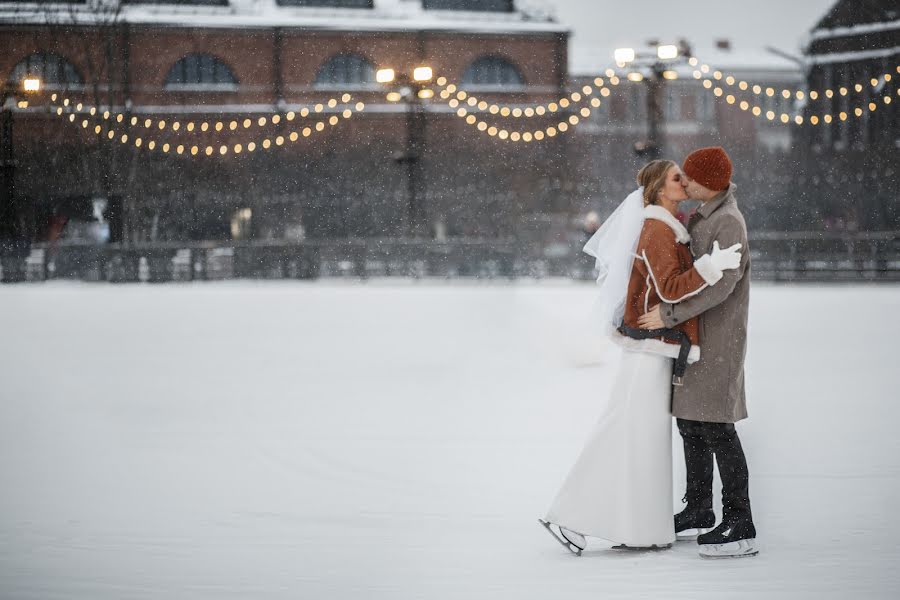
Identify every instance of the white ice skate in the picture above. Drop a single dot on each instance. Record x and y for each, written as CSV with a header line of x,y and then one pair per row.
x,y
571,541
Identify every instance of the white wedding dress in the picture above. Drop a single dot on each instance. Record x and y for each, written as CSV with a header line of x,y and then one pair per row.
x,y
620,488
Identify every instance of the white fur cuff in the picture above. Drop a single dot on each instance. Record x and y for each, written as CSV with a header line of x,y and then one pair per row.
x,y
707,269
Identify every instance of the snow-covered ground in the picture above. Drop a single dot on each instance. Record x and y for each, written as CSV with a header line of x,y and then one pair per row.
x,y
396,440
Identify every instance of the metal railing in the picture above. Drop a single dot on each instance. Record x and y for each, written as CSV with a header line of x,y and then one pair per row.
x,y
776,256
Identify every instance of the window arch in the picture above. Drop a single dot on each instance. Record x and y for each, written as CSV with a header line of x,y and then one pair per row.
x,y
345,69
200,70
53,69
492,71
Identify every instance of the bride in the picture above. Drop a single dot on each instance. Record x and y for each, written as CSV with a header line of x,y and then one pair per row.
x,y
620,488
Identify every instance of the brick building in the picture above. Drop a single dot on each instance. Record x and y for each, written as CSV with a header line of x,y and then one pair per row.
x,y
215,61
219,61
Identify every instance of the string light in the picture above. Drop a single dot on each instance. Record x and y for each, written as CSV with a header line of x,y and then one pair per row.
x,y
224,149
529,135
454,97
785,118
701,71
162,124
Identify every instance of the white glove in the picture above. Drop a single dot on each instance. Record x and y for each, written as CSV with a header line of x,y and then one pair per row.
x,y
710,266
727,259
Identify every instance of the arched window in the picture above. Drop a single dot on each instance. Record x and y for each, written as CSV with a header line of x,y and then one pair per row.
x,y
345,69
53,70
492,71
200,70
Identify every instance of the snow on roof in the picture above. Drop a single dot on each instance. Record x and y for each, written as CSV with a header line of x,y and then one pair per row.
x,y
758,62
842,57
748,59
387,15
819,34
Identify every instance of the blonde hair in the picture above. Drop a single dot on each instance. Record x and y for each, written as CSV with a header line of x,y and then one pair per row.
x,y
652,177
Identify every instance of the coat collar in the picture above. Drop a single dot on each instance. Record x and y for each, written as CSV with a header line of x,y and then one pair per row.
x,y
652,211
708,208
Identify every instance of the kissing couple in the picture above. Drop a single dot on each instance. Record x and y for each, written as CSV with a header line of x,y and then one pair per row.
x,y
667,293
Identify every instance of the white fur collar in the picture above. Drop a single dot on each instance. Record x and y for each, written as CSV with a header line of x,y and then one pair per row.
x,y
652,211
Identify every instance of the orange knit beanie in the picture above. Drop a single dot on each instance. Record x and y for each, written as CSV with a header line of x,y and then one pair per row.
x,y
710,167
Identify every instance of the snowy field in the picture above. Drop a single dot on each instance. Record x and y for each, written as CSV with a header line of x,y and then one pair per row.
x,y
396,440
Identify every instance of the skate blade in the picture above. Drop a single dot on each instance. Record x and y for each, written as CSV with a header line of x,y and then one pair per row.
x,y
653,548
558,537
690,537
739,549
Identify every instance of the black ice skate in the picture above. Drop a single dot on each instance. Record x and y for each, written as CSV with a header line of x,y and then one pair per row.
x,y
571,541
733,538
692,522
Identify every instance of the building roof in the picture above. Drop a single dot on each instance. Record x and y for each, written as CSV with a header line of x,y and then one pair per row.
x,y
386,15
846,14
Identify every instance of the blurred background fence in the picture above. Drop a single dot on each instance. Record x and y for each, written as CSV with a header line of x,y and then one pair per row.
x,y
777,256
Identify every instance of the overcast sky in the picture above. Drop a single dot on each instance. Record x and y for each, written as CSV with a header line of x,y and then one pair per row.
x,y
599,26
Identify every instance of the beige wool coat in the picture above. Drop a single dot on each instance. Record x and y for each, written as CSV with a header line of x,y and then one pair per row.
x,y
713,389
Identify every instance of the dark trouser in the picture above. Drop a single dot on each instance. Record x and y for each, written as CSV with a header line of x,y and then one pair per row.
x,y
703,440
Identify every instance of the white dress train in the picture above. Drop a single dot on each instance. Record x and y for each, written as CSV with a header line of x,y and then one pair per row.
x,y
620,488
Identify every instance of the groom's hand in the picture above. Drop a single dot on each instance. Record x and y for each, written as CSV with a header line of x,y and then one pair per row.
x,y
651,320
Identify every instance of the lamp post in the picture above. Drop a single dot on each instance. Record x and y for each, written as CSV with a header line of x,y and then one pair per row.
x,y
411,90
654,69
9,230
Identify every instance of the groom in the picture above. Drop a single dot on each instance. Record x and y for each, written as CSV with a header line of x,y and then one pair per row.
x,y
712,398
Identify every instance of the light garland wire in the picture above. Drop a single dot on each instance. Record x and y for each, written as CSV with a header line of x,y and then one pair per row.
x,y
527,136
785,118
707,73
211,149
456,97
190,126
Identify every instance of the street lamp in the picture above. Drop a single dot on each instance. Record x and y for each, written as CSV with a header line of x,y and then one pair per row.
x,y
658,69
31,84
411,90
9,218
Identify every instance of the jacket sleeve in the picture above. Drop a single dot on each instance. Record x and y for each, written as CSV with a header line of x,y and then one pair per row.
x,y
730,232
671,282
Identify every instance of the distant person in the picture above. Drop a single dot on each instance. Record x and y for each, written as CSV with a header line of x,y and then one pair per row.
x,y
620,488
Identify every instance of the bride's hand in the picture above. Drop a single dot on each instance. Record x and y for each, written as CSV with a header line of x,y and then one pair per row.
x,y
651,320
